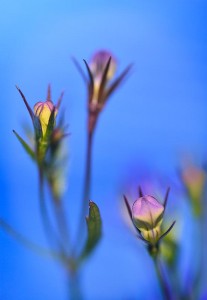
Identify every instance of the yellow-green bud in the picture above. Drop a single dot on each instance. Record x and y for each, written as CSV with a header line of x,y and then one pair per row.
x,y
43,111
147,215
97,67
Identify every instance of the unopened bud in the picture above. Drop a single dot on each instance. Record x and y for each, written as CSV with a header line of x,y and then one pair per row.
x,y
43,111
147,214
99,62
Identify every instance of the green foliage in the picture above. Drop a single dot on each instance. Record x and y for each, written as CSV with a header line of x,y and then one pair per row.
x,y
25,146
94,226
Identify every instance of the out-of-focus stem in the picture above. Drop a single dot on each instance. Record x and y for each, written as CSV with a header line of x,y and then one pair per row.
x,y
201,255
87,183
61,223
49,231
74,291
162,280
87,186
28,243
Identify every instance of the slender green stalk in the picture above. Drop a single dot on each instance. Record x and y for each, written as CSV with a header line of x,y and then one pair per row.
x,y
201,255
74,291
87,187
61,223
28,243
87,183
53,240
162,280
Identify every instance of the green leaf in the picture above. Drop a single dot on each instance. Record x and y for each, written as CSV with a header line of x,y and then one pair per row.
x,y
25,146
37,128
80,70
91,81
94,226
26,103
50,126
103,82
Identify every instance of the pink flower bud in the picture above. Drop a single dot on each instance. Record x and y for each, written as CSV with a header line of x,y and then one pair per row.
x,y
147,215
98,64
43,111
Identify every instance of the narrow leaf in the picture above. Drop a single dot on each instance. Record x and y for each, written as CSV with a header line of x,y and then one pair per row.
x,y
49,93
59,100
140,192
103,82
50,126
94,226
26,103
130,215
80,70
128,207
25,146
167,231
117,82
91,81
166,197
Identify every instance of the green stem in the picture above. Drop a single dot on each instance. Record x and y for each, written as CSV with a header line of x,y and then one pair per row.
x,y
74,291
53,240
87,184
162,280
87,187
28,243
61,223
196,285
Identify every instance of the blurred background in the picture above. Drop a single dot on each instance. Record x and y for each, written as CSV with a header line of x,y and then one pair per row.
x,y
150,124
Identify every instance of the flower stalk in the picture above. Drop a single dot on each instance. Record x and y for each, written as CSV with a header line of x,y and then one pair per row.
x,y
146,215
100,71
167,294
46,153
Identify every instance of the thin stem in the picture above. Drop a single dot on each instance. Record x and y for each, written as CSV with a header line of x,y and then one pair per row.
x,y
162,280
87,186
74,291
196,285
49,231
28,243
61,222
87,183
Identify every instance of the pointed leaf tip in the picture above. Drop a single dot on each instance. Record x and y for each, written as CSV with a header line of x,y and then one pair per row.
x,y
80,70
49,93
166,197
128,206
140,191
25,145
168,230
117,81
26,104
94,226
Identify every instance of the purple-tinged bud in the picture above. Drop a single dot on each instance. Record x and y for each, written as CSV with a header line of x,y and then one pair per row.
x,y
97,67
99,62
43,111
147,215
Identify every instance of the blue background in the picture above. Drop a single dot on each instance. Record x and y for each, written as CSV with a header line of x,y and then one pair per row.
x,y
157,116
